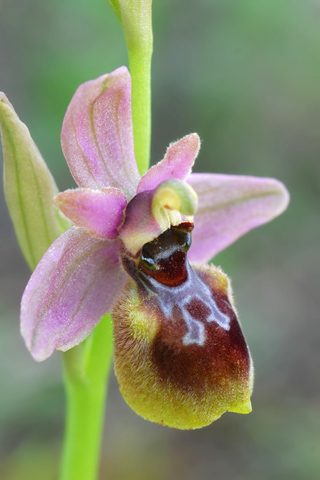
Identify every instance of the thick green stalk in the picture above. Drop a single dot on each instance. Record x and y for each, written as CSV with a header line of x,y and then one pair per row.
x,y
86,372
136,19
86,367
140,69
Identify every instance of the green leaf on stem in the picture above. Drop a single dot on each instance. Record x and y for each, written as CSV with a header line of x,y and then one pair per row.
x,y
29,188
115,5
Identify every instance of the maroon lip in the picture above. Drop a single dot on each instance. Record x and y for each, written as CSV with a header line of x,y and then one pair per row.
x,y
200,344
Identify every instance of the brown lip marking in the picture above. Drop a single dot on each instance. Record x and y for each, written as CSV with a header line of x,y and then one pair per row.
x,y
223,359
200,344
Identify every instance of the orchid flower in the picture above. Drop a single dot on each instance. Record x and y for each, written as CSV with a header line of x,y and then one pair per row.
x,y
180,355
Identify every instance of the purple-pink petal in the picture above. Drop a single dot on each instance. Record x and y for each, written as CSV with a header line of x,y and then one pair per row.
x,y
230,206
177,163
100,212
72,287
97,135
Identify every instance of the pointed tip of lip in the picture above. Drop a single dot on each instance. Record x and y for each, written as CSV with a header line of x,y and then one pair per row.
x,y
244,407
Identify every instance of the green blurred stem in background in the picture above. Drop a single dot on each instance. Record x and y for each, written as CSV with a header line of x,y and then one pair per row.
x,y
140,68
87,367
86,372
29,191
136,19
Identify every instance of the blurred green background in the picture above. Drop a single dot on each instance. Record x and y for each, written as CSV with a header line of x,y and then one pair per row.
x,y
245,75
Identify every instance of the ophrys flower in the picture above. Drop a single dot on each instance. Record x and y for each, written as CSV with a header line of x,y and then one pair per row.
x,y
180,355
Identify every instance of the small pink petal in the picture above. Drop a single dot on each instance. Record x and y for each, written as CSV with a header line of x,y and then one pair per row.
x,y
177,163
230,206
72,287
97,136
99,212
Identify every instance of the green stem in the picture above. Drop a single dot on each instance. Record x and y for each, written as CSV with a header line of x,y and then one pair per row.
x,y
136,19
140,69
86,367
86,370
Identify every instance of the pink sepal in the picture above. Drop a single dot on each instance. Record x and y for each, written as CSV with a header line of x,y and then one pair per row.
x,y
73,286
97,135
230,206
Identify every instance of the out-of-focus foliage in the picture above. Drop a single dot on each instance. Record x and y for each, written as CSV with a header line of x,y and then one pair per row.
x,y
246,76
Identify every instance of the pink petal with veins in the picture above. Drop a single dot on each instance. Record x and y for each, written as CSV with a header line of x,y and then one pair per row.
x,y
100,212
73,286
97,135
230,206
177,163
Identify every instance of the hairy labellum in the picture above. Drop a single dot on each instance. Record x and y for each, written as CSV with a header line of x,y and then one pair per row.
x,y
180,355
